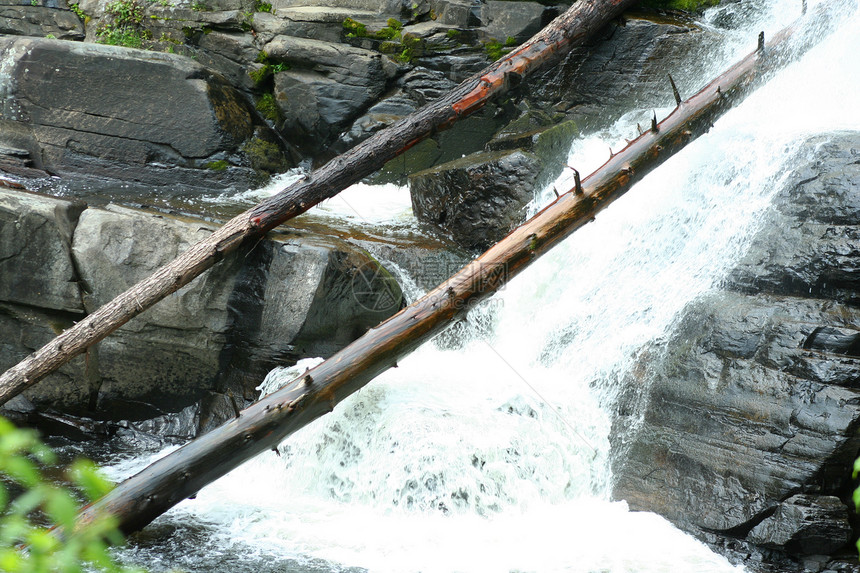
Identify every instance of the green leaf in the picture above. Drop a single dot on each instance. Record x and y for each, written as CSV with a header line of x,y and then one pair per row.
x,y
61,507
85,474
23,471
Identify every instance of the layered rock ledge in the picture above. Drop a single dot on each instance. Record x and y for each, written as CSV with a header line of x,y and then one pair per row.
x,y
743,425
293,295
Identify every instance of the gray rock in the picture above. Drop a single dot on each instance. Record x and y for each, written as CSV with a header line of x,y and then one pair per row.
x,y
382,7
727,430
623,68
550,144
379,116
181,337
754,398
105,111
24,19
229,53
36,232
323,23
477,199
25,329
518,20
810,243
328,87
288,297
460,13
423,85
805,524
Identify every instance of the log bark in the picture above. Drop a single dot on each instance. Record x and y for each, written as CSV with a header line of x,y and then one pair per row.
x,y
570,29
263,425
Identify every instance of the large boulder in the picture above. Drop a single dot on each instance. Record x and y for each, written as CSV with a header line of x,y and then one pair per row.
x,y
141,117
328,86
623,68
517,20
36,233
477,199
290,296
754,397
806,524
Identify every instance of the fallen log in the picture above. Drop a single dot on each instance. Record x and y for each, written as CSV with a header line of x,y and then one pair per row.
x,y
143,497
570,29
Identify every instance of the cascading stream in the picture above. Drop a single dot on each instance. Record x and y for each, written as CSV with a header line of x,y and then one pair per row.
x,y
492,454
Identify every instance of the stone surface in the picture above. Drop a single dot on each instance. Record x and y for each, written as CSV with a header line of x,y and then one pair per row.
x,y
805,524
477,199
291,296
47,18
624,68
517,20
745,420
36,232
23,330
106,111
328,87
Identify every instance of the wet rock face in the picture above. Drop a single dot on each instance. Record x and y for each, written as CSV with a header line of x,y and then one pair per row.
x,y
745,421
806,525
623,68
103,111
477,199
287,298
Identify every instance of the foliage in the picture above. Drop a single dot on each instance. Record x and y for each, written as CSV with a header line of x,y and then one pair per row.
x,y
392,31
268,108
79,13
219,165
198,6
26,544
354,29
260,6
267,70
265,156
495,49
856,495
124,28
413,47
125,12
683,5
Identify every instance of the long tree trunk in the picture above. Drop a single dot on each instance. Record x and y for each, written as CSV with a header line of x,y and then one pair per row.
x,y
263,425
570,29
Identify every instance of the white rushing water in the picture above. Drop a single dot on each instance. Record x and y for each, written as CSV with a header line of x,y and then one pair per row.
x,y
492,456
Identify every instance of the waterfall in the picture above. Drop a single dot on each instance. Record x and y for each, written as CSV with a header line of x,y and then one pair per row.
x,y
491,454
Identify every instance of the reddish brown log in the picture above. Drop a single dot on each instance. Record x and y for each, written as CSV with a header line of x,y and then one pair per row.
x,y
262,426
570,29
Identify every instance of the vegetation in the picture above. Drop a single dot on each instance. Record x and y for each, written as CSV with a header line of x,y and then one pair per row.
x,y
123,27
392,31
265,156
219,165
495,49
268,108
856,495
268,69
79,13
682,5
260,6
27,542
